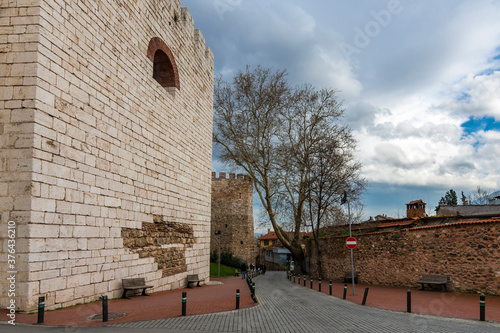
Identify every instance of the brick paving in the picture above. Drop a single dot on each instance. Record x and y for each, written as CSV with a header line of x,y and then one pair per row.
x,y
205,299
288,307
448,304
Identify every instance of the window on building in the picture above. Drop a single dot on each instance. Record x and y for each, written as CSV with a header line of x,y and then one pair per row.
x,y
266,242
163,71
164,67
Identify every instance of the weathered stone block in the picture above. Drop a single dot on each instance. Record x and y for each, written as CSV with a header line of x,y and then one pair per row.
x,y
48,285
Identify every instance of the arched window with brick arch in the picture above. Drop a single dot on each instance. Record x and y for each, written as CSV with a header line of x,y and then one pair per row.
x,y
164,67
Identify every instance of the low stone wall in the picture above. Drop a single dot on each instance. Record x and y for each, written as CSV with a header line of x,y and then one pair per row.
x,y
468,252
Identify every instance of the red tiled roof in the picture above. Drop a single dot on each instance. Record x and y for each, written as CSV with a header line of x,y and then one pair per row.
x,y
455,224
269,235
414,202
395,224
361,226
274,246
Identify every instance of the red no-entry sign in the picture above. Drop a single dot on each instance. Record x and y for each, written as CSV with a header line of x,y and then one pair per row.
x,y
351,242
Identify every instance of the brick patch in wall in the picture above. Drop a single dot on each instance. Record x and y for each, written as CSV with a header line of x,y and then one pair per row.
x,y
166,242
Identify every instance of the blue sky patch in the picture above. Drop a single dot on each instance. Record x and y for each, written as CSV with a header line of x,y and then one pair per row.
x,y
480,124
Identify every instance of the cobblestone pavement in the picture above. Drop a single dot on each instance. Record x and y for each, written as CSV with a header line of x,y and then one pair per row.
x,y
287,307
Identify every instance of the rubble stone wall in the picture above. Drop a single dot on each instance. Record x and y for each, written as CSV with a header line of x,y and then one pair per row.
x,y
468,252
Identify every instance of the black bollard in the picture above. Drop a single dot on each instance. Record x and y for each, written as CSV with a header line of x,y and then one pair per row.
x,y
41,309
293,278
299,278
311,282
330,287
345,291
304,280
482,307
237,299
364,297
253,289
104,308
319,285
184,297
408,301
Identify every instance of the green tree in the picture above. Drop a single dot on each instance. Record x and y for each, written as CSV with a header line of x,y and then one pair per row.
x,y
450,199
465,202
278,134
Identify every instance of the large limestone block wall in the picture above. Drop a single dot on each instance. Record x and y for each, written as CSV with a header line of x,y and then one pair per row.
x,y
468,252
232,214
92,147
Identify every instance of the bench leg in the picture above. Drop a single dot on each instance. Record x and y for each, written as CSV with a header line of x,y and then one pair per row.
x,y
198,284
144,292
423,288
444,288
124,295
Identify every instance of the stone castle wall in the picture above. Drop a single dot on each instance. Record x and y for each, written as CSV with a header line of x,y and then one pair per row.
x,y
232,214
468,252
93,149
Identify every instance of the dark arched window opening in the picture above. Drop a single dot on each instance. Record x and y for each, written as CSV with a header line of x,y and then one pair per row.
x,y
164,68
163,71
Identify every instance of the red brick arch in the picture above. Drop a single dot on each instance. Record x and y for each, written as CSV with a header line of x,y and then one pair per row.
x,y
164,67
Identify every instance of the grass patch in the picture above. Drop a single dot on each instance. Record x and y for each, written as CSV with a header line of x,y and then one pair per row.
x,y
224,270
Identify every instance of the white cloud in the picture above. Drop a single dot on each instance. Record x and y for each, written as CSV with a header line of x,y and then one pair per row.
x,y
476,95
407,93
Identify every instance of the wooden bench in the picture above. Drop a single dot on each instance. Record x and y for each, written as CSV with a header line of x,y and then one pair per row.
x,y
134,284
434,279
192,279
236,272
348,277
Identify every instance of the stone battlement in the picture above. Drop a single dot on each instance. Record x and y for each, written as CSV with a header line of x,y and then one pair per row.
x,y
197,36
223,176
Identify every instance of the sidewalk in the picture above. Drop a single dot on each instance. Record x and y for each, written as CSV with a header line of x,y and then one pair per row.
x,y
430,302
205,299
218,298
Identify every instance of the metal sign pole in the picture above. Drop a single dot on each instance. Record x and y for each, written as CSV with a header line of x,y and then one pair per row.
x,y
352,259
218,270
217,232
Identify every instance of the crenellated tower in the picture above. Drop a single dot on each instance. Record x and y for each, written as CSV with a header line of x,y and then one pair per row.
x,y
232,214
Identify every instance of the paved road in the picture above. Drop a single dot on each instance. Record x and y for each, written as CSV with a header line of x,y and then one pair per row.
x,y
286,307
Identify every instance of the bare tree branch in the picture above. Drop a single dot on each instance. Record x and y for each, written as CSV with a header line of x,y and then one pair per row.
x,y
290,142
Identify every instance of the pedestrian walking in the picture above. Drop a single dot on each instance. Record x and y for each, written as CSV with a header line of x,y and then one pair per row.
x,y
243,270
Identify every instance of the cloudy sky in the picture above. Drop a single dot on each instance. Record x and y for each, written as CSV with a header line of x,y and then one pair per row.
x,y
420,81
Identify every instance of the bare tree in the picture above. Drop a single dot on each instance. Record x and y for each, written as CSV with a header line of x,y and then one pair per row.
x,y
478,197
278,135
332,171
